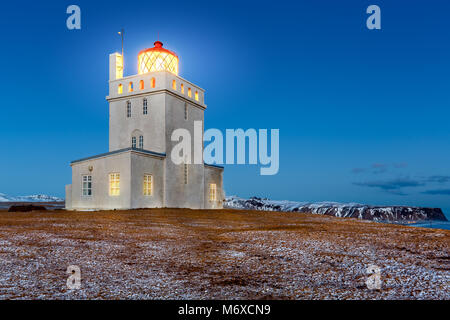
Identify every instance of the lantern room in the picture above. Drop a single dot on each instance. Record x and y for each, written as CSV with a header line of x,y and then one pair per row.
x,y
157,59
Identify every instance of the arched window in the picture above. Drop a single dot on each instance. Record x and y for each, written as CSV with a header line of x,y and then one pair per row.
x,y
153,82
182,88
174,84
189,93
144,106
135,143
130,87
120,89
141,85
196,95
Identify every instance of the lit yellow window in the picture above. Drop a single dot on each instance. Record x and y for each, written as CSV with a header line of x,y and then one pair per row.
x,y
174,84
153,82
120,89
141,85
130,87
189,93
148,185
114,184
196,95
182,88
212,192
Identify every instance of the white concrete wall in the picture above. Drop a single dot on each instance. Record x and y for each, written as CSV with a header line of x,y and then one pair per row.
x,y
141,165
101,168
68,200
214,175
151,124
177,193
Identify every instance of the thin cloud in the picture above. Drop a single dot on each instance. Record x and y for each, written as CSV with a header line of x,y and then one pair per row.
x,y
379,168
438,179
392,186
400,165
445,192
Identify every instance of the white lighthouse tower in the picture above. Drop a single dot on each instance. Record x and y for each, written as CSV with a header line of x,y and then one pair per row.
x,y
137,172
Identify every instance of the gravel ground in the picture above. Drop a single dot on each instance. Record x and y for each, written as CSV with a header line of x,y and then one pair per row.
x,y
217,254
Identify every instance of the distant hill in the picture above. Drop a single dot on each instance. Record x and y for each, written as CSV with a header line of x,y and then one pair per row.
x,y
351,210
30,198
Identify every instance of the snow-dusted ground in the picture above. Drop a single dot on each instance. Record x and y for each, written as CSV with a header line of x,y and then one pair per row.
x,y
227,254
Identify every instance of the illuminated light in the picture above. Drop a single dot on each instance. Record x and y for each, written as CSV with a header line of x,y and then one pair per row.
x,y
148,185
153,82
114,184
157,59
174,84
182,88
119,66
120,89
130,87
141,85
212,192
189,93
196,95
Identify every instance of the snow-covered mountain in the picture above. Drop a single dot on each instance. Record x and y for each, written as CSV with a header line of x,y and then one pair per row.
x,y
31,198
353,210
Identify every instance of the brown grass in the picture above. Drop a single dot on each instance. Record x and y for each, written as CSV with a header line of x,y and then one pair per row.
x,y
182,253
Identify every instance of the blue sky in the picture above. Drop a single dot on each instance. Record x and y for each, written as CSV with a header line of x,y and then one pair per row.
x,y
363,114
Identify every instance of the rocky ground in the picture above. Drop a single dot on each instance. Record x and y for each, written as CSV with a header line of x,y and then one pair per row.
x,y
223,254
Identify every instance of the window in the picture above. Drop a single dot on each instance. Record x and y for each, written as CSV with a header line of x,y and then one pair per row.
x,y
182,88
114,184
86,188
148,184
141,142
153,82
196,95
185,173
130,87
133,142
141,85
174,84
120,89
128,109
189,93
212,192
144,106
185,111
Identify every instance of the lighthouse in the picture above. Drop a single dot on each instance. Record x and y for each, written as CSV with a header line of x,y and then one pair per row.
x,y
137,171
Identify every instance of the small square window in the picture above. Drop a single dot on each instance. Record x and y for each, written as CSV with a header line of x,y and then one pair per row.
x,y
114,184
144,106
148,185
128,109
212,192
86,185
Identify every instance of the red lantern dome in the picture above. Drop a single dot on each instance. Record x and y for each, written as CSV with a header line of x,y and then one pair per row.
x,y
157,59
